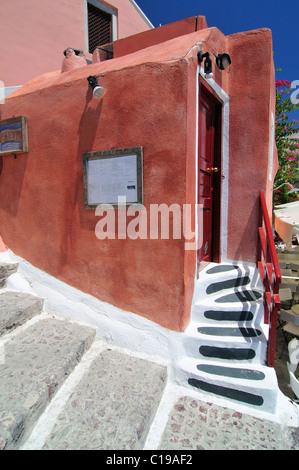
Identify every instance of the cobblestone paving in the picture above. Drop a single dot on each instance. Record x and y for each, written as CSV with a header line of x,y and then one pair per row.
x,y
112,407
195,425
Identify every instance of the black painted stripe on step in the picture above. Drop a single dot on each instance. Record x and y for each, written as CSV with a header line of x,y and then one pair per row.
x,y
233,372
221,315
242,296
239,354
221,269
228,284
221,331
231,393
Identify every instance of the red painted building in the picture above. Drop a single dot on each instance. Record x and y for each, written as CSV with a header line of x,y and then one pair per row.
x,y
204,140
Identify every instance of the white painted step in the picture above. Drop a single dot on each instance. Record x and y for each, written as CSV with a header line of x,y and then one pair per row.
x,y
214,273
204,375
224,347
241,311
231,298
230,316
236,290
199,345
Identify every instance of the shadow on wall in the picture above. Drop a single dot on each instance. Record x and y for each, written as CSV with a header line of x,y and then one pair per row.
x,y
88,124
87,130
250,230
1,158
15,183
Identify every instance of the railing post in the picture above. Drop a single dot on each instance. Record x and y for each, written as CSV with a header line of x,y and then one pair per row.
x,y
268,264
272,337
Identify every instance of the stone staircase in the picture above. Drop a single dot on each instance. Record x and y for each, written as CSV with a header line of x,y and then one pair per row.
x,y
224,350
62,388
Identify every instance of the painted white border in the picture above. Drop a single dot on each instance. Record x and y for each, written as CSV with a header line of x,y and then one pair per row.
x,y
144,17
224,156
271,146
106,9
113,325
196,170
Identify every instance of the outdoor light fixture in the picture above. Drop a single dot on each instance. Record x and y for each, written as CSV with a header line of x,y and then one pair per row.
x,y
207,64
223,61
293,190
97,90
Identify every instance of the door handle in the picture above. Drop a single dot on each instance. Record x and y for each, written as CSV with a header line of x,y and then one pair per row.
x,y
213,169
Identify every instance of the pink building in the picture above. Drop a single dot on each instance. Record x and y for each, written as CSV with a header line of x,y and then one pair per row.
x,y
34,34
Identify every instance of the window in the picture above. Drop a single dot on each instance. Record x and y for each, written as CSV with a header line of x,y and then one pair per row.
x,y
100,21
99,27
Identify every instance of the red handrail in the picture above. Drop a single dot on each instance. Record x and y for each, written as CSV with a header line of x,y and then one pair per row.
x,y
270,272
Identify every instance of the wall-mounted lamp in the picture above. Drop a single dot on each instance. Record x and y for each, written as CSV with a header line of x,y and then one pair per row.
x,y
207,64
97,90
223,61
290,191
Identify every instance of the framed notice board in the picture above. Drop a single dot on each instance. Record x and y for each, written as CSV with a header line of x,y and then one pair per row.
x,y
13,135
112,174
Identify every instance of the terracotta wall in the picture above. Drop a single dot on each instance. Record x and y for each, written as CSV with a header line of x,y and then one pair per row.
x,y
42,202
162,34
251,91
150,101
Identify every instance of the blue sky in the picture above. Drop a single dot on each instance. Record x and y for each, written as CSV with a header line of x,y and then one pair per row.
x,y
233,16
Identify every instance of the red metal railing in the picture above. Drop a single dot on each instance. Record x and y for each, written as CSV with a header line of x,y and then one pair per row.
x,y
270,272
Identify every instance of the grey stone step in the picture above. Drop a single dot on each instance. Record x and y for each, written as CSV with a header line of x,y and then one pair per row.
x,y
16,308
36,363
112,407
6,270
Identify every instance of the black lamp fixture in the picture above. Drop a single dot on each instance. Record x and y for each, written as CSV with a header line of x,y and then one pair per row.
x,y
97,90
223,61
207,65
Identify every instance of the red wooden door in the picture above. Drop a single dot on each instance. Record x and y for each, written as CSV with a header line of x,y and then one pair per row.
x,y
208,175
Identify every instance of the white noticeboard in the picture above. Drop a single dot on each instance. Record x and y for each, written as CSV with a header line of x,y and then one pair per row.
x,y
111,175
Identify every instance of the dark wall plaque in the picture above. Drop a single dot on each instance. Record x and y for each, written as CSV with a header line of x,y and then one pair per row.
x,y
13,135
